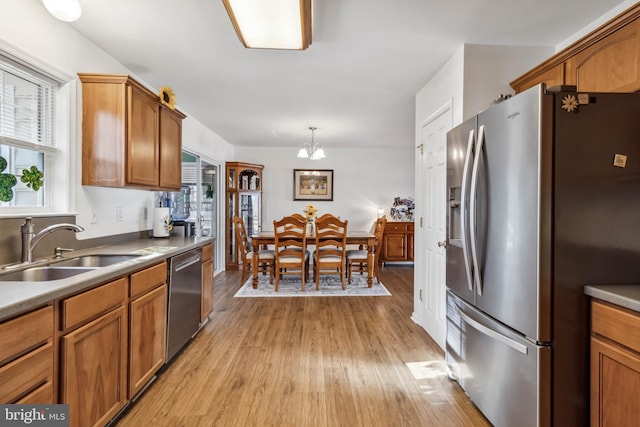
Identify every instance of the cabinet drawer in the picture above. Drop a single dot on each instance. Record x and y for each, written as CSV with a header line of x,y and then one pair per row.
x,y
401,227
207,252
147,279
25,374
42,395
23,333
616,323
84,307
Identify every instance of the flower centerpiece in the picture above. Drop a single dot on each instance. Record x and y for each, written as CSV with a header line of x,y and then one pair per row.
x,y
310,211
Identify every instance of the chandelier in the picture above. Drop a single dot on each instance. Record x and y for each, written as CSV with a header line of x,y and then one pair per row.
x,y
311,150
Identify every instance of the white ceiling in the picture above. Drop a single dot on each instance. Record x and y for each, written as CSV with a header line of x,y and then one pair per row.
x,y
356,82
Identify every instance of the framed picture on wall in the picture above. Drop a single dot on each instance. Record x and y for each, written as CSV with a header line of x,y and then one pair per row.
x,y
313,184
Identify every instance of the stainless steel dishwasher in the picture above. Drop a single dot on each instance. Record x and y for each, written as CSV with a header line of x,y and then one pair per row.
x,y
185,278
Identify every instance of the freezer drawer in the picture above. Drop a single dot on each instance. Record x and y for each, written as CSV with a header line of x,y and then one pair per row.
x,y
506,376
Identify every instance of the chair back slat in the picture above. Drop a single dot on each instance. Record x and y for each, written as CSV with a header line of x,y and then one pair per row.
x,y
331,245
290,239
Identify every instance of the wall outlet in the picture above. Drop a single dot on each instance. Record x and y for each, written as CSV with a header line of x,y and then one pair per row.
x,y
94,216
119,214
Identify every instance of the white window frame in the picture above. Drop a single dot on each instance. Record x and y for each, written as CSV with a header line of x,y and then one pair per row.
x,y
60,157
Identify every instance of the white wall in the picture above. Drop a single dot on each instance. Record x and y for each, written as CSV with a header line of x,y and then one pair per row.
x,y
29,28
363,180
595,24
489,69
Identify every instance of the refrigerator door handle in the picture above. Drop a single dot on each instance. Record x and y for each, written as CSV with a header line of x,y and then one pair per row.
x,y
492,334
472,210
464,208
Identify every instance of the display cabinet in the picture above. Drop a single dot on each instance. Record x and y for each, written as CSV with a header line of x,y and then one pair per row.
x,y
244,199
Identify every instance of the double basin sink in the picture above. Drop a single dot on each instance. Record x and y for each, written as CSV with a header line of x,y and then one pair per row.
x,y
64,269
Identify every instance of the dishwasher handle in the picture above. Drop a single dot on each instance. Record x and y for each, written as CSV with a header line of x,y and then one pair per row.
x,y
187,263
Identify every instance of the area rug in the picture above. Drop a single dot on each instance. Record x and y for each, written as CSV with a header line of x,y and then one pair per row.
x,y
329,287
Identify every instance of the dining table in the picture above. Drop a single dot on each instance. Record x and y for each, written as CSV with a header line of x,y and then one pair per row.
x,y
360,238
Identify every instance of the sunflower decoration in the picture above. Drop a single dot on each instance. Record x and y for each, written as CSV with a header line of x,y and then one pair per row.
x,y
167,97
569,103
310,211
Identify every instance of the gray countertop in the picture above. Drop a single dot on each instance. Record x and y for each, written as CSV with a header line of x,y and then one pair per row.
x,y
627,296
18,297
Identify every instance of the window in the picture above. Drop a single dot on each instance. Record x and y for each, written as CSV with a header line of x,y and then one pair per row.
x,y
27,114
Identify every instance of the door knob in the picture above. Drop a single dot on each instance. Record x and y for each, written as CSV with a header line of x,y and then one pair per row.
x,y
442,244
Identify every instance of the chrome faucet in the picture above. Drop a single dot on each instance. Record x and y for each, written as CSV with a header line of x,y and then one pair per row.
x,y
30,239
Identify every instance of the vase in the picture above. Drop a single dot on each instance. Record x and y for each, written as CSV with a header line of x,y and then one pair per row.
x,y
310,226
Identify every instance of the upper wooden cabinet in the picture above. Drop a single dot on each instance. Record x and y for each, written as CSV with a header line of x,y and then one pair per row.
x,y
606,60
128,138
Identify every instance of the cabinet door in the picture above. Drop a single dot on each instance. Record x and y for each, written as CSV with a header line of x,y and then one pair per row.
x,y
148,332
610,65
103,134
615,385
143,153
170,150
395,246
207,290
93,369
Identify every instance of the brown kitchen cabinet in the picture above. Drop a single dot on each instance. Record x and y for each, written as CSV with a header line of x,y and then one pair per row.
x,y
128,138
244,199
605,60
397,242
93,345
147,325
26,358
206,306
615,365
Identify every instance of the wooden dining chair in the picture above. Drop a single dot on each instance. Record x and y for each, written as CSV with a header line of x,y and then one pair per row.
x,y
266,258
291,254
331,245
358,258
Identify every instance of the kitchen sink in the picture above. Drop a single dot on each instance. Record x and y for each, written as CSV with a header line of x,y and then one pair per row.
x,y
42,274
101,260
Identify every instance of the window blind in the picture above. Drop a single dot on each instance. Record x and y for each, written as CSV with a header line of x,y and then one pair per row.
x,y
27,107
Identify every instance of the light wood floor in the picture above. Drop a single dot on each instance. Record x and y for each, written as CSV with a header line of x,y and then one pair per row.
x,y
322,361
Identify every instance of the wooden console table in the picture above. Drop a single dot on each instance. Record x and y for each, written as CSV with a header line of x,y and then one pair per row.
x,y
397,242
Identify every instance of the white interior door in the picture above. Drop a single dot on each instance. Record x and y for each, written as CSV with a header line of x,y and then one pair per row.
x,y
432,292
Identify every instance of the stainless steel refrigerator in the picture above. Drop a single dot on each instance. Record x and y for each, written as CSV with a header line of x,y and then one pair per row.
x,y
544,198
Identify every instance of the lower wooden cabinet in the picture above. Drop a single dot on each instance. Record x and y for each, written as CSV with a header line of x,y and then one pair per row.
x,y
26,358
397,242
147,325
206,306
615,366
93,361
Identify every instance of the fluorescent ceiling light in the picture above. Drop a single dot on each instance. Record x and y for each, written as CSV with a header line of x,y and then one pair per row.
x,y
271,24
64,10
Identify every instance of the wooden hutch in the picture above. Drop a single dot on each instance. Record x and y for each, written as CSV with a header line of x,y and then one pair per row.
x,y
244,199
